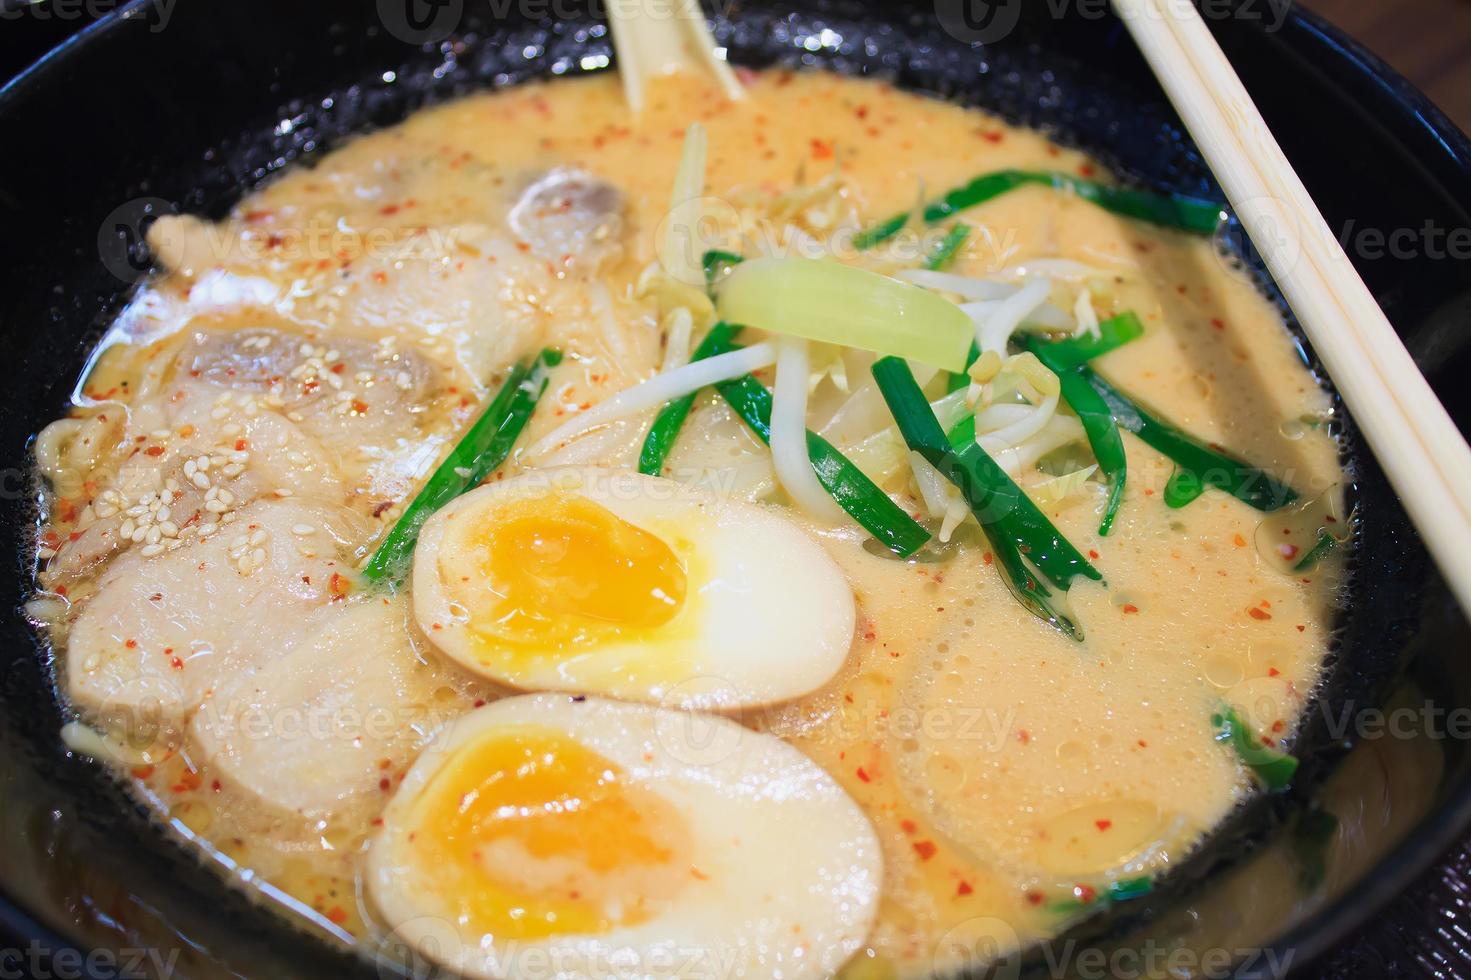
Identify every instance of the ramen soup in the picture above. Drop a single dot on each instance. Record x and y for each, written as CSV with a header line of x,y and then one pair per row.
x,y
826,532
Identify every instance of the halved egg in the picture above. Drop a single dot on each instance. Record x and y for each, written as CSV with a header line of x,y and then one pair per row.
x,y
631,586
558,836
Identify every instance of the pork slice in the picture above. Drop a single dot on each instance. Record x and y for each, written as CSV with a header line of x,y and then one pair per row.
x,y
334,720
570,217
252,455
163,631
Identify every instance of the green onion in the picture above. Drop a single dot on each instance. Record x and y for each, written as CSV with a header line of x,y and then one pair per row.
x,y
479,453
1326,543
1197,465
666,425
947,247
843,304
1064,358
1113,333
1122,890
1182,488
1015,526
1168,210
854,491
1273,767
956,380
717,263
1103,438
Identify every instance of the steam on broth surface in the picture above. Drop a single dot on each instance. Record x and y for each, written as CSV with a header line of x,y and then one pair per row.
x,y
261,415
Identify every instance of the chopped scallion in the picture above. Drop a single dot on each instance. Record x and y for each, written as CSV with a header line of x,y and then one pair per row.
x,y
1273,767
1167,210
1016,527
947,248
666,425
479,453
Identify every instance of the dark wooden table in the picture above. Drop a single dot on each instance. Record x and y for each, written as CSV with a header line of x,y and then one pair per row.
x,y
1428,41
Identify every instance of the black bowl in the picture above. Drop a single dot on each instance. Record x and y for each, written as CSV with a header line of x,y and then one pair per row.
x,y
161,107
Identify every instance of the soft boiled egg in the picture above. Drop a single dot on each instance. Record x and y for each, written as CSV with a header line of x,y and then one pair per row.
x,y
632,586
551,835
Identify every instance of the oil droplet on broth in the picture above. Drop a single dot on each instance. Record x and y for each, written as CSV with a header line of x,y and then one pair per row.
x,y
1072,752
1097,836
1223,670
945,773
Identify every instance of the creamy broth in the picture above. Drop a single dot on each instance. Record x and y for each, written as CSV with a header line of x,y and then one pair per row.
x,y
1006,769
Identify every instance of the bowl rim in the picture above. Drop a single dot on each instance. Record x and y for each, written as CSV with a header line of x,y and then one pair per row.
x,y
1389,877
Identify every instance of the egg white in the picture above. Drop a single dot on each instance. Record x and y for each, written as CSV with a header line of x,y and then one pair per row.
x,y
790,867
768,615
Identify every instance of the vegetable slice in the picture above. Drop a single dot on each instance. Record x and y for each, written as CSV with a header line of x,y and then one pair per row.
x,y
666,425
1198,465
1167,210
717,264
947,247
1326,544
842,304
1014,525
854,491
1273,767
1113,333
1064,357
479,453
1103,438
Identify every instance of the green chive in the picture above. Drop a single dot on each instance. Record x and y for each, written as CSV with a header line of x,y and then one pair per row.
x,y
1015,525
1167,210
479,453
1274,768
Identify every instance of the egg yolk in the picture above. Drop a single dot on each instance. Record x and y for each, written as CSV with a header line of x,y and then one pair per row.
x,y
527,833
564,571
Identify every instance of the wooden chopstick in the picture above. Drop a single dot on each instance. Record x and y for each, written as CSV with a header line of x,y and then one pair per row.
x,y
1420,448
